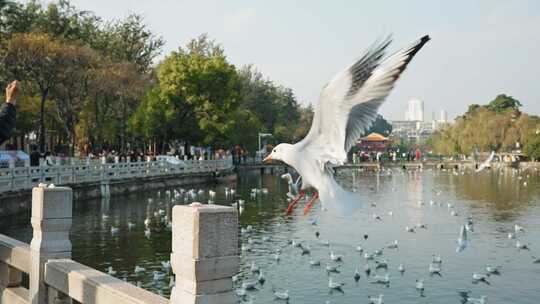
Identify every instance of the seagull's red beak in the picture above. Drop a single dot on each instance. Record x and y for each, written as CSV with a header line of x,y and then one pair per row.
x,y
267,159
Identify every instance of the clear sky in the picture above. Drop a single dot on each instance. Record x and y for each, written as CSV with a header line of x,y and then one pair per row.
x,y
478,49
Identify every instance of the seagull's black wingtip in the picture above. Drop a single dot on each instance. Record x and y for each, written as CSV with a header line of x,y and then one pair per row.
x,y
425,39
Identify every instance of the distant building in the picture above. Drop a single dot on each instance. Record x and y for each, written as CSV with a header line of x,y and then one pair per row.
x,y
444,117
374,142
414,127
415,110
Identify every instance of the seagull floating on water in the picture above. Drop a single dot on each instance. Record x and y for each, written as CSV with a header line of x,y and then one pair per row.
x,y
166,265
335,285
493,270
481,300
335,257
367,269
139,269
478,277
381,265
393,245
377,279
401,268
347,106
158,276
435,269
249,285
376,300
281,295
436,259
315,263
420,286
368,256
522,246
356,275
261,278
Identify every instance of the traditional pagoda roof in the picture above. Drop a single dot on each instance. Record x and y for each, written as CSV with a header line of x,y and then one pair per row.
x,y
374,137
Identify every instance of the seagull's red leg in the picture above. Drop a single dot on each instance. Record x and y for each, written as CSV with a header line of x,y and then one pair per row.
x,y
310,203
295,202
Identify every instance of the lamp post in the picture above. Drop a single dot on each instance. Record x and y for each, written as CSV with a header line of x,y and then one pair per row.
x,y
262,135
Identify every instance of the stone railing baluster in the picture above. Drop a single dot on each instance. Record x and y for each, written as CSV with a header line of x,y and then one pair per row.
x,y
204,254
51,220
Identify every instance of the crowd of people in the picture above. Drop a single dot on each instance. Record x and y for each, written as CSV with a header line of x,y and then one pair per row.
x,y
391,155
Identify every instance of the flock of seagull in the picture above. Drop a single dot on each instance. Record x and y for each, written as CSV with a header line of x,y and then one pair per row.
x,y
158,219
370,264
376,267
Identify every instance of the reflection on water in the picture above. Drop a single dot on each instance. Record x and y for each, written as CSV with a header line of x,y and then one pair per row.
x,y
494,200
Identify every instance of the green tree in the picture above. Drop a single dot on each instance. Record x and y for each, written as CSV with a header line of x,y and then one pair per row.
x,y
532,148
499,126
37,59
275,106
129,40
71,90
381,126
202,88
503,102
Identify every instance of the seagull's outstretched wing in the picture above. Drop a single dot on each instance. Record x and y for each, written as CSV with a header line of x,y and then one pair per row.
x,y
349,102
486,163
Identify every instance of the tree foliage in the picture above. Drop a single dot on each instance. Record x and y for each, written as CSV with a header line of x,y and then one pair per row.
x,y
198,82
532,148
275,106
93,73
503,102
381,126
95,83
499,126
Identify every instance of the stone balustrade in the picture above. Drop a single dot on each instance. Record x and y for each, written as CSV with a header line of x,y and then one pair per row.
x,y
21,178
204,258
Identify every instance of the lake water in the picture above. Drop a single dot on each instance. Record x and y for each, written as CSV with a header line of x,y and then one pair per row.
x,y
494,200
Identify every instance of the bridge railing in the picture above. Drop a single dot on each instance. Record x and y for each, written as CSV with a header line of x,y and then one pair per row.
x,y
204,259
20,178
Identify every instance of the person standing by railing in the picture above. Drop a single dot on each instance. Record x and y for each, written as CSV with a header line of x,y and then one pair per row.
x,y
8,113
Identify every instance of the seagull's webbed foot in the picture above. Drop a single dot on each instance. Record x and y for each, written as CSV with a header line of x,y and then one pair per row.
x,y
294,202
311,202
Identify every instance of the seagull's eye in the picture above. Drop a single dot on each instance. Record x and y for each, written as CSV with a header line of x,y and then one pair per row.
x,y
275,150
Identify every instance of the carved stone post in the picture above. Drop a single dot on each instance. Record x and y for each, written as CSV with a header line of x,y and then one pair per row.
x,y
204,254
51,221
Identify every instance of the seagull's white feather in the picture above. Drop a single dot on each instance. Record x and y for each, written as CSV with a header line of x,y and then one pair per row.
x,y
347,107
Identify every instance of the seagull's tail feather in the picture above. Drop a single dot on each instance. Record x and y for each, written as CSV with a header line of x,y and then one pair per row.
x,y
335,198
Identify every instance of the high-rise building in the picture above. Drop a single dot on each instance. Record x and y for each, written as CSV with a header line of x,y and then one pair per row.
x,y
444,117
415,110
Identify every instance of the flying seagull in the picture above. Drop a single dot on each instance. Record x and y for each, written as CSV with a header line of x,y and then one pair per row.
x,y
347,107
293,186
486,163
463,240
